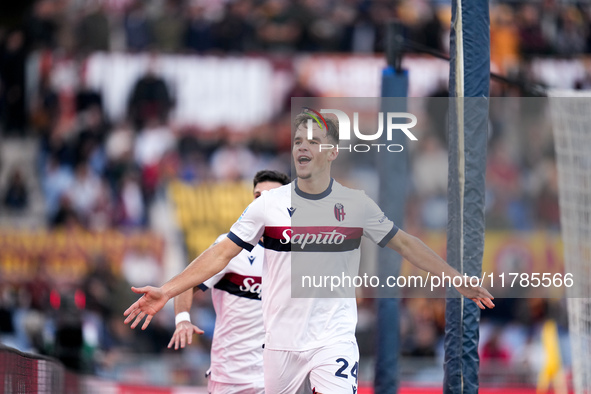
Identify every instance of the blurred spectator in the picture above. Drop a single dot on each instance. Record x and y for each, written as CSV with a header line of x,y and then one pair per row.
x,y
334,36
41,26
362,34
553,369
444,15
549,22
493,349
131,210
119,143
168,28
66,216
584,83
429,31
136,25
56,180
85,191
69,341
87,97
149,98
23,308
45,107
587,16
101,215
429,174
198,35
235,31
378,15
233,161
88,145
504,39
278,30
545,183
504,191
421,23
33,323
6,311
421,326
16,195
193,151
571,38
323,28
140,267
152,142
305,13
61,147
531,35
168,169
193,168
107,295
97,286
39,287
93,31
118,148
12,81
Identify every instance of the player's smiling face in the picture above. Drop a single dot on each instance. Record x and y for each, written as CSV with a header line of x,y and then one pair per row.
x,y
312,156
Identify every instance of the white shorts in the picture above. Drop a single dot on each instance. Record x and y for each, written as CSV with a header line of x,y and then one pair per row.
x,y
235,388
331,369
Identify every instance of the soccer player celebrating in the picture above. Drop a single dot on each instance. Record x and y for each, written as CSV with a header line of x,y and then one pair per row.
x,y
305,338
237,347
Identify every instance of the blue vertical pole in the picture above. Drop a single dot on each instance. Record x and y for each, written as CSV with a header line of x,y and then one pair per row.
x,y
468,113
393,174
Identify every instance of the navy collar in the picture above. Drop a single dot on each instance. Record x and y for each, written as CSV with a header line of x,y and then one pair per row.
x,y
310,196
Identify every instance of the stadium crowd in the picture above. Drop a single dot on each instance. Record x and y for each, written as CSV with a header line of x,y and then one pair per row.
x,y
97,173
548,27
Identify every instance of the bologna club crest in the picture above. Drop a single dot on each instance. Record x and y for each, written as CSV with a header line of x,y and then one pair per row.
x,y
339,212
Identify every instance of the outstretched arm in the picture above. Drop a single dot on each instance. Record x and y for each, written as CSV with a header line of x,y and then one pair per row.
x,y
209,263
416,252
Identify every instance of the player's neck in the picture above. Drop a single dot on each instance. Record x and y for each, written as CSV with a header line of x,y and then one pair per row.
x,y
314,185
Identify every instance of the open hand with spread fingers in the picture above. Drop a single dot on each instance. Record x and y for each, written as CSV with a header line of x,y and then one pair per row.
x,y
183,334
152,300
478,294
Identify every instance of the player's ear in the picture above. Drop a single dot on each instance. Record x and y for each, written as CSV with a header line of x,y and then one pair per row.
x,y
333,153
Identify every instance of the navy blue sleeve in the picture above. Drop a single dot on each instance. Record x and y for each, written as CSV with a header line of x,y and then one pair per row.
x,y
388,236
244,245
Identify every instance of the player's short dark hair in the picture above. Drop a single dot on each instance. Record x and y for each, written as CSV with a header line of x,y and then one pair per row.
x,y
270,176
332,125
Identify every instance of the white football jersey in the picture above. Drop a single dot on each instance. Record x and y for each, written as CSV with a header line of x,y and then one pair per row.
x,y
325,228
238,338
